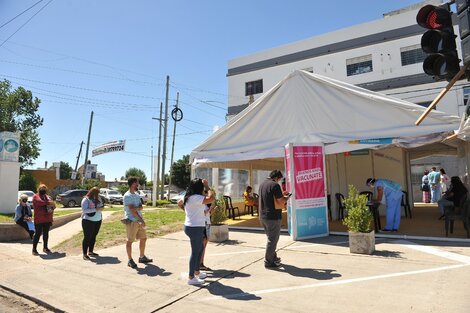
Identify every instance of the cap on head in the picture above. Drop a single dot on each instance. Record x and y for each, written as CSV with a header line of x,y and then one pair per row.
x,y
370,181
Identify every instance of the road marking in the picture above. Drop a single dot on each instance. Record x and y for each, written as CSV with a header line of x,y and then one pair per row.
x,y
434,251
332,283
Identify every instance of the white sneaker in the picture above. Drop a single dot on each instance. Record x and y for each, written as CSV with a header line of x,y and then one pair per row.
x,y
196,281
202,275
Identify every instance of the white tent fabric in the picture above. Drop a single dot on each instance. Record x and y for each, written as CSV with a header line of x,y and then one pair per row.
x,y
309,108
464,129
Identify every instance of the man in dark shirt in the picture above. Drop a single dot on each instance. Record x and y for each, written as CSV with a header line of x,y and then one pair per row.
x,y
271,202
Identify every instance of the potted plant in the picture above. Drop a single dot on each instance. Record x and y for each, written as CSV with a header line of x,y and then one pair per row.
x,y
219,230
358,221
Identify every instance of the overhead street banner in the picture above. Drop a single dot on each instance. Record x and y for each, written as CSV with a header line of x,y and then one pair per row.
x,y
113,146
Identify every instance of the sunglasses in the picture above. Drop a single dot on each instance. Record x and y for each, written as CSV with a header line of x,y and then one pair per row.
x,y
24,200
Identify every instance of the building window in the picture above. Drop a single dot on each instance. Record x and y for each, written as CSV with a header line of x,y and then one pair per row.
x,y
360,65
466,95
411,55
253,87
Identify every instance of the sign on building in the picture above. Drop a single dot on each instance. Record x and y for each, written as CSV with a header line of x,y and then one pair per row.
x,y
9,146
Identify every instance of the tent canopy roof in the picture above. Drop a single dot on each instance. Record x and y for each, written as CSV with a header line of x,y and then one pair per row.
x,y
310,108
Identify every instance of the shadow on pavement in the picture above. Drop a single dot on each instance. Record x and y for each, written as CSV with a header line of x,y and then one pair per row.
x,y
106,260
152,270
231,243
53,255
318,274
388,254
228,292
225,274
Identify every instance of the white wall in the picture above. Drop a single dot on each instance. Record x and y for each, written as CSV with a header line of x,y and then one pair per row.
x,y
9,181
386,60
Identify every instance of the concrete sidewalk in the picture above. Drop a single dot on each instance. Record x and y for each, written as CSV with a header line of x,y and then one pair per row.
x,y
318,275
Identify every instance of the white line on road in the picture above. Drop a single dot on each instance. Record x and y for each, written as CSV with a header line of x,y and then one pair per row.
x,y
332,283
432,250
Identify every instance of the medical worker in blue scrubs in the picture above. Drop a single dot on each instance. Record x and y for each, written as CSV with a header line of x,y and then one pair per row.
x,y
393,194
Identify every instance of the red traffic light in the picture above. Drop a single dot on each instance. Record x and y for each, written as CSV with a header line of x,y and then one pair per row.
x,y
433,17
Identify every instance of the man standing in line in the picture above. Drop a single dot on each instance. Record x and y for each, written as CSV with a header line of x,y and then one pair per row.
x,y
435,182
271,202
135,226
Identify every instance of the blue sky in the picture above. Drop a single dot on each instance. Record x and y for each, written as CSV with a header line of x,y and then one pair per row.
x,y
112,57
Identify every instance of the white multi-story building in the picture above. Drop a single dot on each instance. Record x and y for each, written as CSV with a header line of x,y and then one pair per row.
x,y
383,55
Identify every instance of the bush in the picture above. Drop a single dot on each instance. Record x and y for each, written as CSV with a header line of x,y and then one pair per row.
x,y
218,216
158,202
359,217
27,182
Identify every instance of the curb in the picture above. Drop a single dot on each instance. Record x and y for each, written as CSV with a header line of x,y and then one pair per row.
x,y
33,299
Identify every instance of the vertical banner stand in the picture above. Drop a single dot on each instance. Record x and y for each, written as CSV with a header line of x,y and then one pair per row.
x,y
307,214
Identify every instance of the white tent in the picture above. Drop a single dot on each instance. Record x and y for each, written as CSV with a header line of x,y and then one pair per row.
x,y
309,108
464,130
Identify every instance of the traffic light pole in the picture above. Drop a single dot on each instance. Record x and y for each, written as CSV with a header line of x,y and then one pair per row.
x,y
442,94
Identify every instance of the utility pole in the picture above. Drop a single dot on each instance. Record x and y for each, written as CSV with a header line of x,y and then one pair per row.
x,y
78,157
173,144
156,178
87,146
164,136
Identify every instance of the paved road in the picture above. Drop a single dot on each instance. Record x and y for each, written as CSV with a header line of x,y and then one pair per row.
x,y
318,275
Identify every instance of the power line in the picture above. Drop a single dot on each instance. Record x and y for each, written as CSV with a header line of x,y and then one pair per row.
x,y
82,73
26,23
18,15
80,88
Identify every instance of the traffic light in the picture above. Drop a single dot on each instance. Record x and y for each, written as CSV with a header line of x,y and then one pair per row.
x,y
439,41
464,28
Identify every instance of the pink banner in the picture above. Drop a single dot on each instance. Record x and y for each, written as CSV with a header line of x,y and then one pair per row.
x,y
308,172
287,166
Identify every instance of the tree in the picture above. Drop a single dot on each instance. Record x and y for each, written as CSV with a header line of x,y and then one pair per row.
x,y
65,170
181,172
18,114
89,183
27,182
133,171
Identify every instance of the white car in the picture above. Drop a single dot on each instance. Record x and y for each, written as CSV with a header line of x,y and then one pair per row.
x,y
29,193
111,196
143,196
177,197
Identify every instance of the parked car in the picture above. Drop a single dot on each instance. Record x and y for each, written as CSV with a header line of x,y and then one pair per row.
x,y
172,194
29,193
143,196
71,198
111,196
177,197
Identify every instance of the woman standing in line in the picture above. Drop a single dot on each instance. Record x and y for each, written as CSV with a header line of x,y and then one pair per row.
x,y
43,207
91,221
425,187
445,180
194,205
24,215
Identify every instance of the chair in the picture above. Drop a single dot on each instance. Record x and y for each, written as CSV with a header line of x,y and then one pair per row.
x,y
250,208
230,208
340,205
405,203
368,194
460,213
328,204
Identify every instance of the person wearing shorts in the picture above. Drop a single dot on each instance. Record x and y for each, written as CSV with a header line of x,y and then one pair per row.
x,y
135,226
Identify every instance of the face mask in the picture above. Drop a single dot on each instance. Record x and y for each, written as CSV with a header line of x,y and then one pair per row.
x,y
42,192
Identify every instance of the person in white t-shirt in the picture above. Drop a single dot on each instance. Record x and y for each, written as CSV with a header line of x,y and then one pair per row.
x,y
194,204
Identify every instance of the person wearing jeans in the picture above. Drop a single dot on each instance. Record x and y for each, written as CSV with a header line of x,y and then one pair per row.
x,y
271,201
43,207
91,221
194,205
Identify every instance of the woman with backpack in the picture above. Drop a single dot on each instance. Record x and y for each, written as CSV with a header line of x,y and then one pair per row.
x,y
425,187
